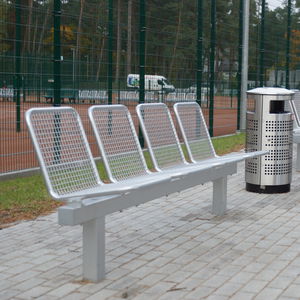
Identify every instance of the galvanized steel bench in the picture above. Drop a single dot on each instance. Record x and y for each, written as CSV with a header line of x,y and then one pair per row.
x,y
71,174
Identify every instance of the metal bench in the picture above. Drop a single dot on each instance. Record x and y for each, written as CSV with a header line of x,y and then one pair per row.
x,y
71,176
166,153
197,139
6,94
93,96
70,94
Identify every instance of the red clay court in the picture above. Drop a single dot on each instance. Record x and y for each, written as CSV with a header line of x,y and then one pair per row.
x,y
16,150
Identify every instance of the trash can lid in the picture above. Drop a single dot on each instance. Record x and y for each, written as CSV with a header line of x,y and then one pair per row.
x,y
270,91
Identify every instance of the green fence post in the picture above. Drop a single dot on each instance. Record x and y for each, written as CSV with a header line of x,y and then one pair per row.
x,y
212,65
199,51
110,51
288,41
17,84
57,53
240,61
24,89
142,39
262,45
142,30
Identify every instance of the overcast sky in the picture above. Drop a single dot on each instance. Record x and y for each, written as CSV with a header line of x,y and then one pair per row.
x,y
274,3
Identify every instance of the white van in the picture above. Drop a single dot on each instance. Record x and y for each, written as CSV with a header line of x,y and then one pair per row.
x,y
152,83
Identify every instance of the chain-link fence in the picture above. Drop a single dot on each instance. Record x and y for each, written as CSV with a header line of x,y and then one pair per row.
x,y
86,52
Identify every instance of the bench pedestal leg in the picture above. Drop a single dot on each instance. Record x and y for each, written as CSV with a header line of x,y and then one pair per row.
x,y
94,249
219,196
298,158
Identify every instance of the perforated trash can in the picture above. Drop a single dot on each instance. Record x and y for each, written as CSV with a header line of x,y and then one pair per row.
x,y
269,127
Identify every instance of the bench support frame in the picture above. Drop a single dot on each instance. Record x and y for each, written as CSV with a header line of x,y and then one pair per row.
x,y
219,196
93,249
298,158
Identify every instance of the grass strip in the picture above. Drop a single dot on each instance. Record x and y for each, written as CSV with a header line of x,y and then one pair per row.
x,y
27,198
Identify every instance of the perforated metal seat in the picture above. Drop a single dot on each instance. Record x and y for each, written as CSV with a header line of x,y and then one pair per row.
x,y
196,137
167,156
71,174
65,158
163,143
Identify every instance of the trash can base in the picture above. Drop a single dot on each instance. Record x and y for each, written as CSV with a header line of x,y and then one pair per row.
x,y
268,189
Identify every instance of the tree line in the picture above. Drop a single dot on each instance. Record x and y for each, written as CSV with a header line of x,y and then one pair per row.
x,y
171,38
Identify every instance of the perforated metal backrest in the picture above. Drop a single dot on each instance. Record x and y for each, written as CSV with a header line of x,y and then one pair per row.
x,y
118,142
159,132
62,150
194,131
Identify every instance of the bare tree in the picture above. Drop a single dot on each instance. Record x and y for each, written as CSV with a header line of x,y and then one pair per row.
x,y
44,28
26,44
100,57
34,35
176,38
78,38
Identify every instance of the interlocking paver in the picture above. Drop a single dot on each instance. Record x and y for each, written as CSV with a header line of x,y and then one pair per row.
x,y
242,277
242,296
281,282
170,248
200,293
254,286
228,289
34,292
102,295
268,293
215,281
159,288
292,291
64,289
216,297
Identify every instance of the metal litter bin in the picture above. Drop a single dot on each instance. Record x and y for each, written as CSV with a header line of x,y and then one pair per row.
x,y
269,127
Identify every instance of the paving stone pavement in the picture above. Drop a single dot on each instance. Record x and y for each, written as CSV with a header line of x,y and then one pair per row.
x,y
170,248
